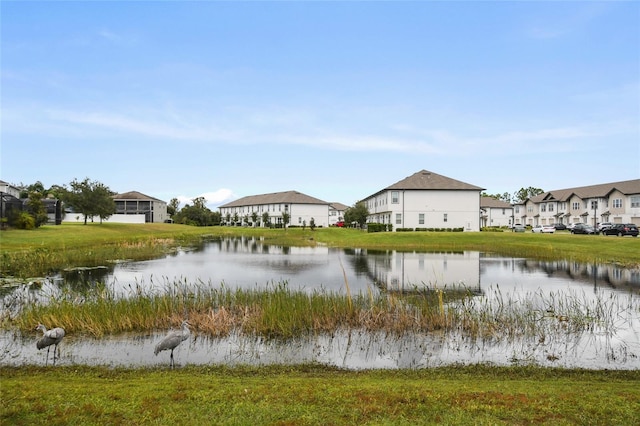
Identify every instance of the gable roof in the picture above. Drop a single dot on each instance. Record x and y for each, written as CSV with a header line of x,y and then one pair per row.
x,y
426,180
287,197
490,202
626,187
338,206
135,195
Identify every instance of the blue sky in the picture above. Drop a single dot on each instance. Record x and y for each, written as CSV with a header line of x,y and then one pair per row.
x,y
333,99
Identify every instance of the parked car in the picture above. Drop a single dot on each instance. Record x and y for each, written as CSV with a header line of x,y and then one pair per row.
x,y
621,229
543,229
518,228
581,228
604,225
560,226
572,225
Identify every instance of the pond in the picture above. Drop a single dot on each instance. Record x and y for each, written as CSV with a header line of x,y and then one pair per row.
x,y
250,263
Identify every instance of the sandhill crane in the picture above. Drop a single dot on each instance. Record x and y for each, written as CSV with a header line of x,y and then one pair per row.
x,y
49,337
172,340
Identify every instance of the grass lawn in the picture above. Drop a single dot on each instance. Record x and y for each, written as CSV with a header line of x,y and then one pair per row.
x,y
313,395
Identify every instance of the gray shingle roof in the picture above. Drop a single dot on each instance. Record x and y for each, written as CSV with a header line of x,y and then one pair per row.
x,y
626,187
135,195
425,179
338,206
287,197
490,202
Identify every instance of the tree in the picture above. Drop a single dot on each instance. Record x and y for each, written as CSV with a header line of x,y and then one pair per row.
x,y
285,219
90,198
173,207
254,218
37,209
34,187
358,213
103,203
197,214
506,197
265,219
525,193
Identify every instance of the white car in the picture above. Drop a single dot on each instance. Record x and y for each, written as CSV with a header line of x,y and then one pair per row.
x,y
604,225
544,229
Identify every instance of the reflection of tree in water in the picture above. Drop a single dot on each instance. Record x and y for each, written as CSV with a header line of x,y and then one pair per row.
x,y
358,260
83,279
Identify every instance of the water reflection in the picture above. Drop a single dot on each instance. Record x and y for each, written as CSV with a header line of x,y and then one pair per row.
x,y
346,349
251,263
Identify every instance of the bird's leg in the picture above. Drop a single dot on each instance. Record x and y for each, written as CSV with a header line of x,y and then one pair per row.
x,y
172,364
55,348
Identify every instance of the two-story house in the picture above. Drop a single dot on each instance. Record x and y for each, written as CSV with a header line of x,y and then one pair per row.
x,y
495,212
300,207
426,200
617,202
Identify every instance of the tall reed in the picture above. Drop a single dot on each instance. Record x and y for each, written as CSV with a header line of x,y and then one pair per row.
x,y
282,313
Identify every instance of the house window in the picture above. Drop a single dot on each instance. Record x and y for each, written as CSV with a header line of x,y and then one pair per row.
x,y
617,203
445,217
543,208
517,209
635,201
398,218
594,205
395,197
550,207
421,218
503,212
575,206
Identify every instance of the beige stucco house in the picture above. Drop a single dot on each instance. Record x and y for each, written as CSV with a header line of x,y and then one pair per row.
x,y
617,202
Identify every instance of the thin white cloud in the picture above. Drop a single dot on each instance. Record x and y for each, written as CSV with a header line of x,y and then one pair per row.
x,y
109,35
559,26
146,127
233,129
212,198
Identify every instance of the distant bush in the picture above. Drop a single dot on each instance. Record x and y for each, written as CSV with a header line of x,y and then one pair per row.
x,y
491,229
25,221
379,227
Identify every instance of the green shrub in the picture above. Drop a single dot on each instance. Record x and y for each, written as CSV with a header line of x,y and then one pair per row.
x,y
25,221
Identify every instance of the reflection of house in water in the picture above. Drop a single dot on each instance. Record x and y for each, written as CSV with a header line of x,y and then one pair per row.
x,y
609,275
416,271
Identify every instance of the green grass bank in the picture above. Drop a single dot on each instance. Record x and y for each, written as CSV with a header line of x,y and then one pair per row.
x,y
314,395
